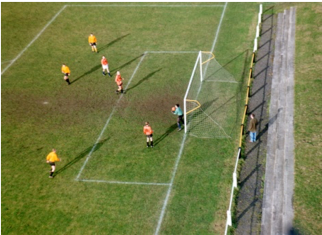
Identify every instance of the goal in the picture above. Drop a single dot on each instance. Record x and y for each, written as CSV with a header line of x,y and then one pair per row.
x,y
210,102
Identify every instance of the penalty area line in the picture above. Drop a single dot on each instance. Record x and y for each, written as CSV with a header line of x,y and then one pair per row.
x,y
123,182
165,203
108,120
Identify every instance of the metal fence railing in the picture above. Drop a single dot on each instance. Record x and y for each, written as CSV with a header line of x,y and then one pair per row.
x,y
234,185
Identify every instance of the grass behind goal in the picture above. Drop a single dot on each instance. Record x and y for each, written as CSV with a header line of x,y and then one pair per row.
x,y
39,112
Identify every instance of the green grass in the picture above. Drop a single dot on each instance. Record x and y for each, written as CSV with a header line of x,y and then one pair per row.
x,y
40,111
308,112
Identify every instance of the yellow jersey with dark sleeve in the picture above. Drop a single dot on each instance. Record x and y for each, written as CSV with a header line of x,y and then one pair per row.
x,y
92,39
52,157
65,69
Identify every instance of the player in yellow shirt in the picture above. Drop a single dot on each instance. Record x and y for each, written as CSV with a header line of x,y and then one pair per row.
x,y
92,42
66,71
51,159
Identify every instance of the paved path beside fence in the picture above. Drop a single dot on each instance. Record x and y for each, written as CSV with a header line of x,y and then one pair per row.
x,y
270,161
277,214
249,201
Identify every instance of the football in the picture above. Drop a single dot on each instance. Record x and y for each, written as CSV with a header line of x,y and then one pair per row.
x,y
173,109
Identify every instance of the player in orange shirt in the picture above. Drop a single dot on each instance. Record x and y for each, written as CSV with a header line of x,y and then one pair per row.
x,y
104,64
66,71
119,82
51,159
147,130
92,42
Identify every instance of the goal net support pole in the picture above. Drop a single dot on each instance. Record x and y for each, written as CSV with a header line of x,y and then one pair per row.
x,y
197,63
209,103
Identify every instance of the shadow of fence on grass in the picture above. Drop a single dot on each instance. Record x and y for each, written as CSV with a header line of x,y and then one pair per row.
x,y
82,155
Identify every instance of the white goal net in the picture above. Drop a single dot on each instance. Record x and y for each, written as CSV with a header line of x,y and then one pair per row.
x,y
210,102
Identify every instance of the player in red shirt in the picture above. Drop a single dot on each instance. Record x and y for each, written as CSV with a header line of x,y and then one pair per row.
x,y
119,82
147,130
104,64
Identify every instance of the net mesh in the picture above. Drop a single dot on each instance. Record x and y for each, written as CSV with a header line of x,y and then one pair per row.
x,y
211,104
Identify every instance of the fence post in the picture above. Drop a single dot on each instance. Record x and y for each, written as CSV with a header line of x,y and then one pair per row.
x,y
229,218
257,31
235,179
255,44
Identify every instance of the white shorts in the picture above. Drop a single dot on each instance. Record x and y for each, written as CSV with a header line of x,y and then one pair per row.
x,y
105,66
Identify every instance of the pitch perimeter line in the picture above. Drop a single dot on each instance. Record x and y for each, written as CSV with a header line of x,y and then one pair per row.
x,y
117,5
35,38
108,120
182,145
124,182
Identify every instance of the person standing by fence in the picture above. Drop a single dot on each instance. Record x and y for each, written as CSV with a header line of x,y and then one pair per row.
x,y
252,128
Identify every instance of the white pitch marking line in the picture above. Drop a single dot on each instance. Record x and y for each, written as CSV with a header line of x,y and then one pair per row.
x,y
182,146
117,5
37,36
108,121
171,184
137,67
219,26
125,182
5,62
220,81
172,52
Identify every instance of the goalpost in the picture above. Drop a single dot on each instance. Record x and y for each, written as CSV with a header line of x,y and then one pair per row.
x,y
210,99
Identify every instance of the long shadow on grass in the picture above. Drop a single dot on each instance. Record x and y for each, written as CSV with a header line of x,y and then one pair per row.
x,y
143,79
126,64
81,155
96,67
112,42
163,136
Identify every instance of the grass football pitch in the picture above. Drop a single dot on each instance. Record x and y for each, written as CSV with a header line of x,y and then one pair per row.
x,y
108,181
